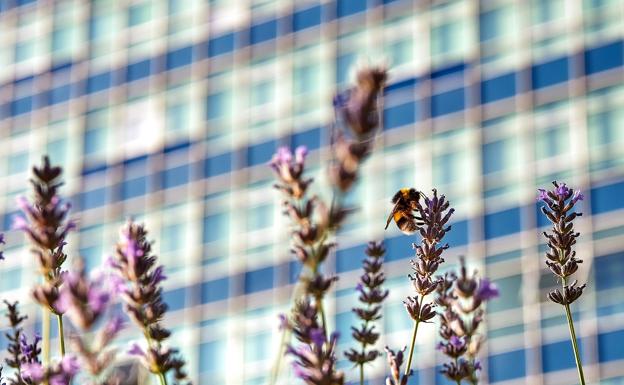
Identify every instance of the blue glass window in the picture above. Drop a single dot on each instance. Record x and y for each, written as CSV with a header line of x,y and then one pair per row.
x,y
306,18
349,7
211,357
260,153
258,280
94,140
310,138
405,86
344,63
217,105
179,57
219,164
490,24
134,187
401,115
510,294
22,105
497,88
447,102
610,346
399,247
256,347
176,176
99,82
506,366
502,223
458,236
294,269
220,45
59,94
138,14
349,259
494,156
93,198
448,71
216,290
603,198
216,227
263,31
542,220
557,356
175,299
344,322
550,73
138,70
259,217
604,57
609,271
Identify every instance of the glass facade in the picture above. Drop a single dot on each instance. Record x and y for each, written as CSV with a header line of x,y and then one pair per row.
x,y
168,111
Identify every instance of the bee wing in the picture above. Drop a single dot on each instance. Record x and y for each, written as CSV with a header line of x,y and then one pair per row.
x,y
392,214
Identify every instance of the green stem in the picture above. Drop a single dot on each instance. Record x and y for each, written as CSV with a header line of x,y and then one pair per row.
x,y
163,380
411,353
577,356
361,374
319,304
45,331
61,333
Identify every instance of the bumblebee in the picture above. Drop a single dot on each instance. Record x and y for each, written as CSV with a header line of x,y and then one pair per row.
x,y
405,202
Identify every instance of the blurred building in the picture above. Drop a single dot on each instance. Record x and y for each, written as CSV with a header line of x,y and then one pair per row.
x,y
168,111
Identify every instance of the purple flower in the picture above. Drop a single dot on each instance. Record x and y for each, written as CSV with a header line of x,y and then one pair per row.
x,y
136,350
317,336
562,191
69,365
33,371
543,195
300,154
283,321
457,342
578,196
158,275
486,290
19,223
114,326
477,365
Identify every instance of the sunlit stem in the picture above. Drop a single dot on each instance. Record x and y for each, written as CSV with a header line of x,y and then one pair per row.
x,y
61,334
413,343
45,331
577,356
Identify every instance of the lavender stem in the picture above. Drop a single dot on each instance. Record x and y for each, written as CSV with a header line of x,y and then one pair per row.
x,y
61,333
46,336
577,357
413,343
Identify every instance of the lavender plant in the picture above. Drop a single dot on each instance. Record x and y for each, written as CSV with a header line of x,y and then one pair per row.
x,y
561,259
85,299
313,221
315,356
141,292
371,297
433,214
17,340
46,225
462,299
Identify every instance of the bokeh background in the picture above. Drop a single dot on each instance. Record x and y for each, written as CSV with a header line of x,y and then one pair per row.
x,y
168,111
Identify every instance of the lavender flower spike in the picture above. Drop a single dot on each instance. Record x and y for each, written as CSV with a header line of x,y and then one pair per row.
x,y
371,297
561,258
462,296
45,222
434,214
134,263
